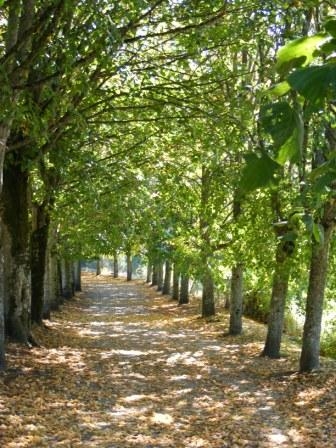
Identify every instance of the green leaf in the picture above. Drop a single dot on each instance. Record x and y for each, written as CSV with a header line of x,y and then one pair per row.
x,y
285,126
330,27
290,236
315,83
324,182
318,233
329,47
280,89
298,53
258,172
308,222
277,120
319,171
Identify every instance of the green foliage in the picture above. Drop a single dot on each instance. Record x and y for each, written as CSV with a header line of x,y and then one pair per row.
x,y
316,83
297,53
258,172
328,343
330,27
285,126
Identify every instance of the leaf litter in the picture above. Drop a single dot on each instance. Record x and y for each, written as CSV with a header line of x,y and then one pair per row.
x,y
120,365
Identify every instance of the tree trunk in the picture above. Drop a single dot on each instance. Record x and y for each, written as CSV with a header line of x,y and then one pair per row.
x,y
4,134
236,300
67,279
149,271
52,289
167,278
278,302
19,19
154,276
184,290
98,267
2,295
310,353
176,283
160,276
77,275
16,238
115,265
129,266
208,294
39,245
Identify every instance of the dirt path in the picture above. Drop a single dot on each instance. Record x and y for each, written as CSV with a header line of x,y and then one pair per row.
x,y
123,366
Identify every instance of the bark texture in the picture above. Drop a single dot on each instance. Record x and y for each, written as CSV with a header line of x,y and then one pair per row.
x,y
154,276
236,302
19,20
278,302
16,240
52,285
39,245
67,280
98,267
77,275
176,283
129,266
149,272
159,276
208,295
167,278
310,353
184,290
115,265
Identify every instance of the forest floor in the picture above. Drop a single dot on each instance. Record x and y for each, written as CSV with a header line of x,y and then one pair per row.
x,y
121,366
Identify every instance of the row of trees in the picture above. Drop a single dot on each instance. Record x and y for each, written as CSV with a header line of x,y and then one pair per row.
x,y
152,127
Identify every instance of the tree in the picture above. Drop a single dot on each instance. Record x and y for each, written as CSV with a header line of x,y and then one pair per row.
x,y
314,83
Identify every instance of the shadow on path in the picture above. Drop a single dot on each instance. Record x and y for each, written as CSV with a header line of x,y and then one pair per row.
x,y
125,367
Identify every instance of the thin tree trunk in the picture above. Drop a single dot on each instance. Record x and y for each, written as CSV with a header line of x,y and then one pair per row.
x,y
52,290
176,283
236,302
184,290
77,275
208,294
39,245
160,276
98,267
310,353
154,275
129,266
236,296
167,278
149,271
115,265
67,279
278,303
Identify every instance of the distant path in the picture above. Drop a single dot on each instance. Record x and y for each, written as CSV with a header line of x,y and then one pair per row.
x,y
134,370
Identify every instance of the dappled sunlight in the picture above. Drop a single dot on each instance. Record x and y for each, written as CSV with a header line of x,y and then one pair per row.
x,y
155,375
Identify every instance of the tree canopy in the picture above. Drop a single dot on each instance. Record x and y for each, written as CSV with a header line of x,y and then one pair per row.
x,y
201,134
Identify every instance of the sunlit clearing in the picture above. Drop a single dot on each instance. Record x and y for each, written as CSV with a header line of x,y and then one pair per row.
x,y
186,358
162,419
135,397
278,438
